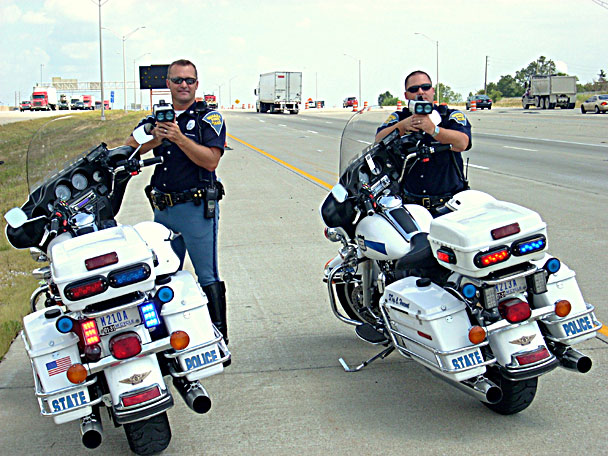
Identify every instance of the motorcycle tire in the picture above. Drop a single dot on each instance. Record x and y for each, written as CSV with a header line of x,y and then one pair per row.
x,y
516,395
149,436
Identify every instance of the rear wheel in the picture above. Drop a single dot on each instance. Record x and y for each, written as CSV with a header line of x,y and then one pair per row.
x,y
597,110
583,109
149,436
516,396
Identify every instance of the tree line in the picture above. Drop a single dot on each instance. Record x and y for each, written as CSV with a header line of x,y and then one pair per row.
x,y
508,85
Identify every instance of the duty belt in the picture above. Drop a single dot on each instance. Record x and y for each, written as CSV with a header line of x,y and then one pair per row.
x,y
428,202
160,200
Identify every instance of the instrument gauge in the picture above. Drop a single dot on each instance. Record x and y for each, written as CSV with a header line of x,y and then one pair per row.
x,y
63,192
97,176
80,181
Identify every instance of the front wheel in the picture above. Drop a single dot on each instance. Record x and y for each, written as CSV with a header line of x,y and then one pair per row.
x,y
149,436
516,395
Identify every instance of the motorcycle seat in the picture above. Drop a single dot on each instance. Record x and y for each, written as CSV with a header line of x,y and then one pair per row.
x,y
420,255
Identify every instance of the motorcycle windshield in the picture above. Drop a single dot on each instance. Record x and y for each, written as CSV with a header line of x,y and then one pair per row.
x,y
360,132
54,146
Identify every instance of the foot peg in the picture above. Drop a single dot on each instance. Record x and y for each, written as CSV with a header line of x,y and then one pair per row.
x,y
370,334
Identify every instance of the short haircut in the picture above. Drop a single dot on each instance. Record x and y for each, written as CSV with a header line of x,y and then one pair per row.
x,y
182,62
417,72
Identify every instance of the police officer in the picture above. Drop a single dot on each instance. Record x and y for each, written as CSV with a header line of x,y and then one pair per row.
x,y
431,183
184,190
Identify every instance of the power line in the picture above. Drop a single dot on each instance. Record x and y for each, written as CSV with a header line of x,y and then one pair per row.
x,y
602,3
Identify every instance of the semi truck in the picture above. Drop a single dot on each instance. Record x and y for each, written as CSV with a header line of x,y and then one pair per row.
x,y
211,101
549,92
89,101
44,99
279,91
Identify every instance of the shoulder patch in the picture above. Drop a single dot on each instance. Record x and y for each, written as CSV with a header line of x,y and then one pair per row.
x,y
214,119
458,117
390,120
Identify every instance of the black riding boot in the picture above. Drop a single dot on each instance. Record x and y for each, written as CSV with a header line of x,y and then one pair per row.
x,y
216,294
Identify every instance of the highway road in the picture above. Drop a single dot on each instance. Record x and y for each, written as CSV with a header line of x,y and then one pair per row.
x,y
285,392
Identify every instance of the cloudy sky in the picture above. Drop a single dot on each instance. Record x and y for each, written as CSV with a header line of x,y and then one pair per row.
x,y
233,41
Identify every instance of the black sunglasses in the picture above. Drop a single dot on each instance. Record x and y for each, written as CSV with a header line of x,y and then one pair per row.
x,y
189,81
414,89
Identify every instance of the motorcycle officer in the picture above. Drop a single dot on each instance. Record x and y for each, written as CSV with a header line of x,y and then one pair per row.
x,y
184,190
431,183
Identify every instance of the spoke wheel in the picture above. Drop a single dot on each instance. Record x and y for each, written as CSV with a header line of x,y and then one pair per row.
x,y
350,296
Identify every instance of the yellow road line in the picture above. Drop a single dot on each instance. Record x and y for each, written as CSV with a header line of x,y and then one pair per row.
x,y
278,160
603,330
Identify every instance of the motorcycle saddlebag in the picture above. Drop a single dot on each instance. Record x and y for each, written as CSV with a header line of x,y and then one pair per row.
x,y
187,311
432,326
51,354
581,324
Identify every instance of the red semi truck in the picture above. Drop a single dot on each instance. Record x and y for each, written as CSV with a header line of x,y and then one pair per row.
x,y
44,99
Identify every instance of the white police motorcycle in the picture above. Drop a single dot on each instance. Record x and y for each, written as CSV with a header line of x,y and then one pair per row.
x,y
472,295
115,317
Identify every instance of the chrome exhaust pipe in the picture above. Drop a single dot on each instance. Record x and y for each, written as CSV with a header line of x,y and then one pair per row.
x,y
91,431
575,360
194,395
480,388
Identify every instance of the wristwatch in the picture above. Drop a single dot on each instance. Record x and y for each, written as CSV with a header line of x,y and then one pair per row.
x,y
436,132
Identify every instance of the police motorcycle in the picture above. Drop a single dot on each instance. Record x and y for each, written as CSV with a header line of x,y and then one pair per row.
x,y
472,294
115,317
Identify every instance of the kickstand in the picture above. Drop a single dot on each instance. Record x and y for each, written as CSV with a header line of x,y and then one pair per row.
x,y
383,354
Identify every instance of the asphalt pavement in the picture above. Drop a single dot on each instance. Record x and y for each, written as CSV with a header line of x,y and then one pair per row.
x,y
285,392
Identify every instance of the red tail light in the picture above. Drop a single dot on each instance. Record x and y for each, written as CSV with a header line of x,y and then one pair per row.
x,y
125,345
90,334
498,255
537,355
86,288
514,310
143,396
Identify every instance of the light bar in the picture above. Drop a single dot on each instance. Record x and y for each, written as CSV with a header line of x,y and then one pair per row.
x,y
149,315
446,255
128,276
86,288
495,256
529,245
90,334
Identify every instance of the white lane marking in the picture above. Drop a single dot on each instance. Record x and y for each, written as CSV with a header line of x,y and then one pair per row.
x,y
282,125
328,122
312,131
319,150
520,148
477,166
541,139
364,142
263,121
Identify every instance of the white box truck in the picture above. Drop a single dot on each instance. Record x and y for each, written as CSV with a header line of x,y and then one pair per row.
x,y
548,92
279,91
44,99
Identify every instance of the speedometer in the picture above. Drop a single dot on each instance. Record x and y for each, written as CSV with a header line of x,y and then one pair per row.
x,y
79,181
97,176
63,192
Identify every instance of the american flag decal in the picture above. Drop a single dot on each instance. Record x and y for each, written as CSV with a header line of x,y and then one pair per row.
x,y
58,366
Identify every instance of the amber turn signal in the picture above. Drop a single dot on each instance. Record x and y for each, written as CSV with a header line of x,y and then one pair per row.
x,y
77,373
562,308
477,335
179,340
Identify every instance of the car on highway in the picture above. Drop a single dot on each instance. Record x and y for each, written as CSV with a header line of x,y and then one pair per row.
x,y
596,103
79,105
349,102
63,105
481,101
25,105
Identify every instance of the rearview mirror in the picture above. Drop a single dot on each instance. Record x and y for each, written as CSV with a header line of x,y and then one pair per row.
x,y
339,193
15,217
141,134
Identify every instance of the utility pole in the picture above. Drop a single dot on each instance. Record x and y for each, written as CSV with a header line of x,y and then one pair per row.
x,y
485,82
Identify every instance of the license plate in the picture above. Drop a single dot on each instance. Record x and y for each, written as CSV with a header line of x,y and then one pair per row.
x,y
118,320
509,287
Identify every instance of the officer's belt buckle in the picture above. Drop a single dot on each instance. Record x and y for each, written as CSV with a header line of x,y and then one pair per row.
x,y
168,200
426,202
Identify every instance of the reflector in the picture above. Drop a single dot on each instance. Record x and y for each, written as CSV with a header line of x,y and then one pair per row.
x,y
537,355
504,231
101,261
140,397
